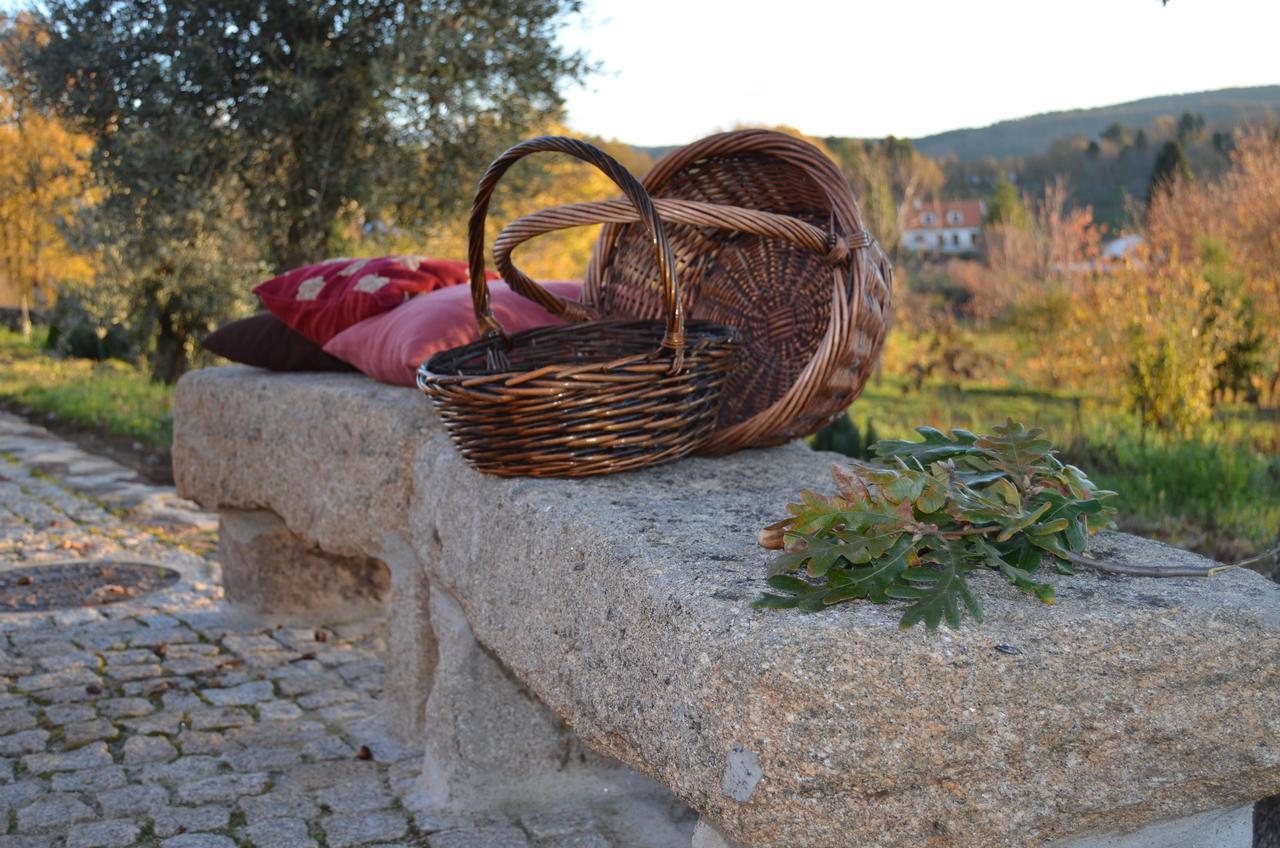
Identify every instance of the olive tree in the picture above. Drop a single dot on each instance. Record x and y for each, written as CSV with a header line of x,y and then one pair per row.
x,y
247,129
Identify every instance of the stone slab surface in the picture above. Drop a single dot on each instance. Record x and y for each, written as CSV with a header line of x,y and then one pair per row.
x,y
245,447
622,603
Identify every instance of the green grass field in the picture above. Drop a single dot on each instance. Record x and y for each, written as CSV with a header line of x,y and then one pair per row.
x,y
112,396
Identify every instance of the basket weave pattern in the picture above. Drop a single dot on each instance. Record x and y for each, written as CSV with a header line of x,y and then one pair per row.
x,y
589,397
812,314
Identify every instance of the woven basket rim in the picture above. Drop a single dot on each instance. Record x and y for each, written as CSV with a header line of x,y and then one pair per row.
x,y
697,333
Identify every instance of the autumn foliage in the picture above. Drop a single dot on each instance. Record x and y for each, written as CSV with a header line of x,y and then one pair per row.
x,y
1189,321
1193,319
44,175
1242,213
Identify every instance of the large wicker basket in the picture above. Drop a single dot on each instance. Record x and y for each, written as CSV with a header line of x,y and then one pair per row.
x,y
812,316
591,396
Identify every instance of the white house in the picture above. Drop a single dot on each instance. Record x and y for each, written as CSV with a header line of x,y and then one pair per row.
x,y
1123,248
947,226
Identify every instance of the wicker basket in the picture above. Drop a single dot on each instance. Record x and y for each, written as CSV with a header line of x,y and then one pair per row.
x,y
591,396
812,310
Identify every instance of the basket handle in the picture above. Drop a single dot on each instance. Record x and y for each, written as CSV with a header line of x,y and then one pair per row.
x,y
835,248
674,337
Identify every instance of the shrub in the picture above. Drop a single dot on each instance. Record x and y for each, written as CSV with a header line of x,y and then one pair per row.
x,y
77,329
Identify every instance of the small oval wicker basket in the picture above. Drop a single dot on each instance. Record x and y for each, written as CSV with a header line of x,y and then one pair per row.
x,y
591,396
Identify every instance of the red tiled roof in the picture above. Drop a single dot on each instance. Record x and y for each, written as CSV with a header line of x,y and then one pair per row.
x,y
970,212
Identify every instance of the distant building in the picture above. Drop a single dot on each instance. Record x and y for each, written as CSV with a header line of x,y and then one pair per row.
x,y
947,226
1123,248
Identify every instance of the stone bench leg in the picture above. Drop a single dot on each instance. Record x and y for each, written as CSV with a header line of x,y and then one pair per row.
x,y
268,569
1229,828
1266,821
705,835
411,643
491,745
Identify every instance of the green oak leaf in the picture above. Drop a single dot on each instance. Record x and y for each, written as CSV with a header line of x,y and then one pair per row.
x,y
872,542
934,447
1006,491
787,583
937,595
874,579
769,601
933,496
893,484
992,558
788,561
1021,553
813,513
823,554
1014,449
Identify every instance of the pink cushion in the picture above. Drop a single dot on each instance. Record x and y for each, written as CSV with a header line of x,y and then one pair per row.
x,y
319,301
390,347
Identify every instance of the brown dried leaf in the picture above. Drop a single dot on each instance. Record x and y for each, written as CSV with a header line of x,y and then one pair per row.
x,y
848,483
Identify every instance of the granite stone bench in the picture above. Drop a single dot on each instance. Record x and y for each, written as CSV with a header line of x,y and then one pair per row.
x,y
556,639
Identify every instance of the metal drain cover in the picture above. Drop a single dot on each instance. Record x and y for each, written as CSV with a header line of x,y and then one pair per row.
x,y
60,585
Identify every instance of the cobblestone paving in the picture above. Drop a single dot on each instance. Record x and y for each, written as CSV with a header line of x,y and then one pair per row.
x,y
173,720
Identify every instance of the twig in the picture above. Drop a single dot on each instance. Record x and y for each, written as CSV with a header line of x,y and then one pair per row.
x,y
1274,552
1167,570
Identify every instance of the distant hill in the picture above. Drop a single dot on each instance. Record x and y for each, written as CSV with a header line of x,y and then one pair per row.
x,y
1027,136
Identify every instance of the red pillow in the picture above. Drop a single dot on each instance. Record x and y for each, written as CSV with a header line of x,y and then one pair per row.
x,y
263,340
391,346
319,301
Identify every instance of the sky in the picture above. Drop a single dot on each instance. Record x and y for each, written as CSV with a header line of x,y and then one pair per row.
x,y
673,71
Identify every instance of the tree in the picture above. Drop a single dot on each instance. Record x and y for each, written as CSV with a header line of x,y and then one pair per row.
x,y
43,185
871,183
172,276
911,173
1240,212
1171,166
1006,207
887,177
1117,133
315,105
292,116
1190,126
1194,321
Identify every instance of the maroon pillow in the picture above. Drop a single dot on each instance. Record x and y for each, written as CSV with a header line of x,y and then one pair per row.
x,y
320,301
391,346
264,340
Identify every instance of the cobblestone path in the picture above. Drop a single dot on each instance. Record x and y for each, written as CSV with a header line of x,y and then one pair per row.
x,y
170,719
